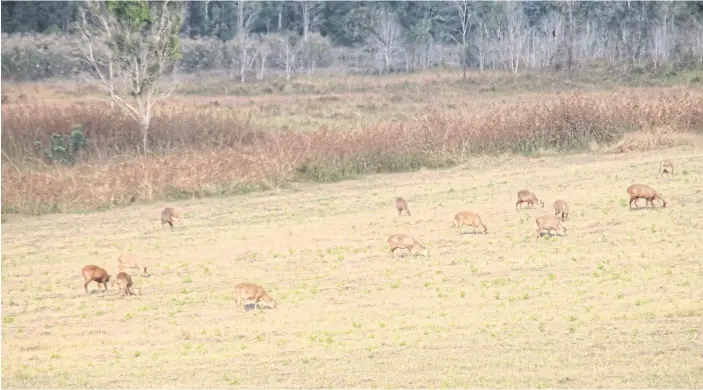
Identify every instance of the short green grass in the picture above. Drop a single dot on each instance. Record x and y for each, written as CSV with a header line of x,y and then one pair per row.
x,y
616,303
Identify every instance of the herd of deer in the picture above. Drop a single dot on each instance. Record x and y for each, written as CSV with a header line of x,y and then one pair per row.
x,y
249,292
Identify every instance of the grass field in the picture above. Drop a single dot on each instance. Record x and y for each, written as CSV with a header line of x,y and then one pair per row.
x,y
616,303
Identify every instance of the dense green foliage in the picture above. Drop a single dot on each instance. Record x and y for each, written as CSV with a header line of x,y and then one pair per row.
x,y
343,22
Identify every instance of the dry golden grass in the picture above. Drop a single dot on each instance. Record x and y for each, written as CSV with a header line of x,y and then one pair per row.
x,y
617,303
207,150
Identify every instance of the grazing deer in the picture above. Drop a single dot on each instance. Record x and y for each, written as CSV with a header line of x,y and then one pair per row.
x,y
245,292
130,260
528,197
93,273
549,222
124,282
638,191
469,219
404,241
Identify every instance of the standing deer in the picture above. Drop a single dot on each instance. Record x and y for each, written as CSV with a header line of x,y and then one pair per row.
x,y
402,206
666,166
170,216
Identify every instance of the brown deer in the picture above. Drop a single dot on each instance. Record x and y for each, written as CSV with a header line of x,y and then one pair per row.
x,y
93,273
549,222
666,166
245,292
130,260
469,219
560,207
170,216
638,191
402,206
124,282
404,241
528,197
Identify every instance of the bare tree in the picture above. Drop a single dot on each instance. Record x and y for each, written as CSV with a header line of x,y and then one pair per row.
x,y
289,47
570,27
246,15
136,42
552,28
95,51
309,11
385,34
515,35
264,48
464,12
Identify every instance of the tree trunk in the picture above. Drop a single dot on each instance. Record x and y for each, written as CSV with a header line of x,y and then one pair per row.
x,y
306,20
144,126
262,67
111,79
463,59
243,66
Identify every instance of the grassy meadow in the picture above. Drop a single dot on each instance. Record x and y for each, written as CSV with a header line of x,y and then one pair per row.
x,y
618,302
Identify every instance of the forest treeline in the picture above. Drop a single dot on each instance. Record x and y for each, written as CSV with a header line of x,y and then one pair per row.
x,y
259,39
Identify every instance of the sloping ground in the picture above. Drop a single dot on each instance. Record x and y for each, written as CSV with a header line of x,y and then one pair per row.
x,y
617,303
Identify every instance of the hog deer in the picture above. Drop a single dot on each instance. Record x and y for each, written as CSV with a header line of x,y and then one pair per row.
x,y
245,292
561,207
637,191
404,241
124,283
528,197
666,166
130,260
170,216
549,222
93,273
402,206
469,219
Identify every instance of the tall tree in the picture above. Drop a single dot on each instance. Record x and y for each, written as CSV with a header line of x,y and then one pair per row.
x,y
130,47
464,15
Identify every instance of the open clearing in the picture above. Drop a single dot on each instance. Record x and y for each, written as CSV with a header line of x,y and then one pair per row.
x,y
617,303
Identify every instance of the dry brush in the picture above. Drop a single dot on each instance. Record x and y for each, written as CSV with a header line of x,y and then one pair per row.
x,y
203,150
